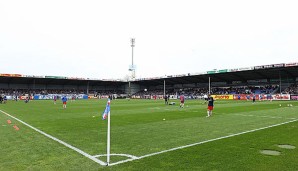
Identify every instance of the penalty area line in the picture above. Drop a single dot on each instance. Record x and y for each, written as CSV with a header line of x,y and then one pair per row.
x,y
59,141
202,142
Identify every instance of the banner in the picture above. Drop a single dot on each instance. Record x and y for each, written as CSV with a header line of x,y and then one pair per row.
x,y
244,97
250,97
263,97
59,96
56,77
258,67
281,97
211,72
92,97
223,97
291,64
278,65
9,97
24,97
240,69
11,75
223,71
268,66
294,97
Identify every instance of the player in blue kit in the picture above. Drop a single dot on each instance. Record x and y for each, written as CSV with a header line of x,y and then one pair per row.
x,y
64,100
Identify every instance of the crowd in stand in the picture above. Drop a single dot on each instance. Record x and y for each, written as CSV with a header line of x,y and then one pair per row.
x,y
293,89
23,92
105,92
38,91
185,91
195,92
267,89
191,92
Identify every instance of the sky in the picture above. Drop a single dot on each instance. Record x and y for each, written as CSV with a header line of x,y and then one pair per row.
x,y
91,38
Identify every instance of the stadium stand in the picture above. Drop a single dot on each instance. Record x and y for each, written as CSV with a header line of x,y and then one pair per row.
x,y
267,79
293,89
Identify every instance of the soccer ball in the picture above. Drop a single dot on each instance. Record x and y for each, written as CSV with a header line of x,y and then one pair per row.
x,y
164,119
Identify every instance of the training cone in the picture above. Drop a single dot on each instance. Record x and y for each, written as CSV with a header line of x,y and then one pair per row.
x,y
16,128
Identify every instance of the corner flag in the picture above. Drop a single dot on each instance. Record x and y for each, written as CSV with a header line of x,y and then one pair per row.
x,y
106,111
106,114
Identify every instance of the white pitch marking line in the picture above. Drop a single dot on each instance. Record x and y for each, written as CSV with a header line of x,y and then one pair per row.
x,y
122,161
273,117
60,141
126,155
203,142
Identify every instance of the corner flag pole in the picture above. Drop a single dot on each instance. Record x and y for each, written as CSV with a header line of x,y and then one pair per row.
x,y
108,139
105,115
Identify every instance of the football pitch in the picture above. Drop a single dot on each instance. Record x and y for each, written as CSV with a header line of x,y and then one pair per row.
x,y
149,135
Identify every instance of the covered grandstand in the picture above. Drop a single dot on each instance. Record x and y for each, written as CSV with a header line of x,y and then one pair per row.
x,y
279,76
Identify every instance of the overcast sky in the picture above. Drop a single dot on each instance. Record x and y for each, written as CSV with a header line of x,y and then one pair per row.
x,y
91,38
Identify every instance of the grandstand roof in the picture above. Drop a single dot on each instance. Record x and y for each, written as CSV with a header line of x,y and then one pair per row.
x,y
258,73
54,81
255,74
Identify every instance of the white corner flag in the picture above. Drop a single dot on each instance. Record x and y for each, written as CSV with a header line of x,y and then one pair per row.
x,y
106,114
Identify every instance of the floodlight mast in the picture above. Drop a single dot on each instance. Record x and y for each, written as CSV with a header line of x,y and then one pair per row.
x,y
132,40
131,68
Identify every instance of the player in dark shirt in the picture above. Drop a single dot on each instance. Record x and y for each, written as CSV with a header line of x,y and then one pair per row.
x,y
210,106
166,99
4,99
27,99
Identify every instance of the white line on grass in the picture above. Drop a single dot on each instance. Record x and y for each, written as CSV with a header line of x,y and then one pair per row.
x,y
60,141
203,142
125,155
262,116
122,161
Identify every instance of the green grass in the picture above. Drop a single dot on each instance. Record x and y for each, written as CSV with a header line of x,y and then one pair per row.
x,y
138,128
